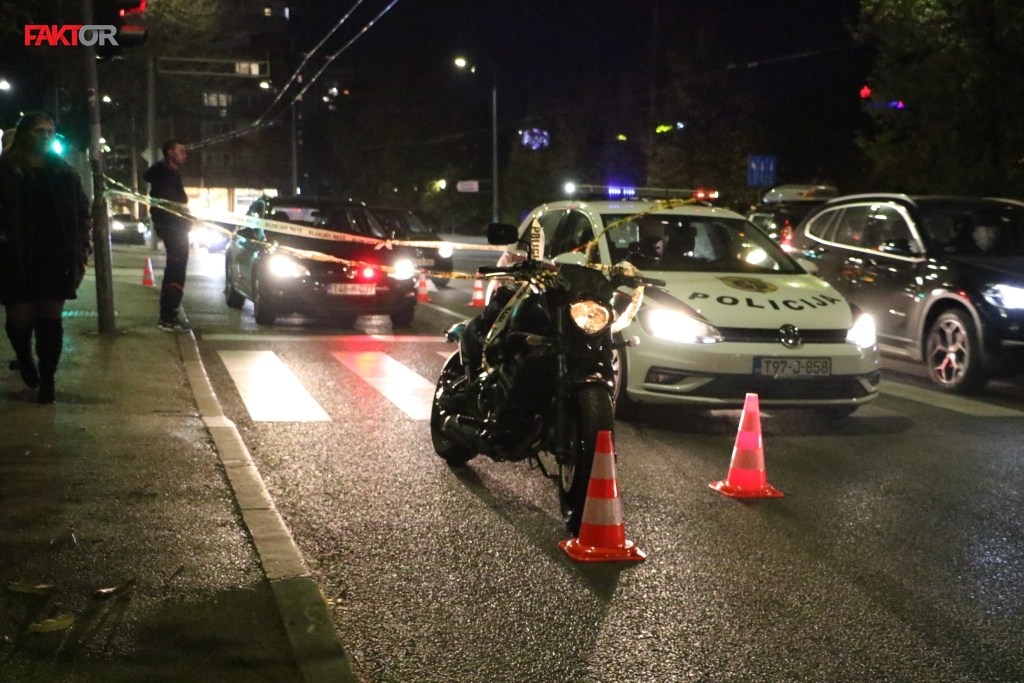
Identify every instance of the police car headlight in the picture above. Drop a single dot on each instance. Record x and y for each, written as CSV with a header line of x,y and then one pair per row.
x,y
403,269
1005,296
677,326
284,267
590,316
445,250
862,333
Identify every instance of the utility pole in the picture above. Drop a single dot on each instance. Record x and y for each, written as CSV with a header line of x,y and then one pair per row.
x,y
100,220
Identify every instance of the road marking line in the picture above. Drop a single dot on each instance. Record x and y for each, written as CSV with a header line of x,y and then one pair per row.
x,y
421,339
955,403
405,388
270,391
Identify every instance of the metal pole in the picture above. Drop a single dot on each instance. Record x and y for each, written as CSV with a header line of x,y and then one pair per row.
x,y
100,220
295,156
494,149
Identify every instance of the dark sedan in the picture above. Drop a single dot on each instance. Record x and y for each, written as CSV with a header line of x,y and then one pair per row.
x,y
285,269
406,225
942,276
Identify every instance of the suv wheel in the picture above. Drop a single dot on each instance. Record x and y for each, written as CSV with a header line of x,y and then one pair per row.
x,y
953,354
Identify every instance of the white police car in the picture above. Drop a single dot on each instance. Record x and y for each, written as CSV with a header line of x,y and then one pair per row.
x,y
737,314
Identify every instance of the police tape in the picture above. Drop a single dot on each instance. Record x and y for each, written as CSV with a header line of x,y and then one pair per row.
x,y
215,220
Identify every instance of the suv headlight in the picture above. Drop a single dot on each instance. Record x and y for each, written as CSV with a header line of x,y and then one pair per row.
x,y
445,250
284,267
862,333
676,326
590,316
1005,296
403,269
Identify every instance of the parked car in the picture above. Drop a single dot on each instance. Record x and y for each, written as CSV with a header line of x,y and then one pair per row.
x,y
942,276
783,207
738,314
211,237
127,229
406,225
287,272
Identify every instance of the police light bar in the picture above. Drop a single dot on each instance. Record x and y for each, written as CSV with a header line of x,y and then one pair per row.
x,y
635,193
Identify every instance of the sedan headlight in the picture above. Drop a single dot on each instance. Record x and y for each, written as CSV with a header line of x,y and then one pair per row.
x,y
116,225
445,250
1005,296
676,326
403,269
590,316
862,333
285,267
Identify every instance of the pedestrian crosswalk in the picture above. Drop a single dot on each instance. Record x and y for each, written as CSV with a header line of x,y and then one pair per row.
x,y
272,392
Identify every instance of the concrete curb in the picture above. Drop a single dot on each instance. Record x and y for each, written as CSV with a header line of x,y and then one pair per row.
x,y
318,651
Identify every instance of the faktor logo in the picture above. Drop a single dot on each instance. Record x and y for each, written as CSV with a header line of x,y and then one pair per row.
x,y
70,35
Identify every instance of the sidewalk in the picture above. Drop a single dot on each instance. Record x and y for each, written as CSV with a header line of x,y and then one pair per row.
x,y
125,552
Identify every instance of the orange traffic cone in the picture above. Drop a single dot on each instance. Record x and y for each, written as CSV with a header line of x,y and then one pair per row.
x,y
747,478
478,293
602,534
147,274
421,289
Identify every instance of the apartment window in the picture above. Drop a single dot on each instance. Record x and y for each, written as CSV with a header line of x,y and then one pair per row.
x,y
247,68
216,99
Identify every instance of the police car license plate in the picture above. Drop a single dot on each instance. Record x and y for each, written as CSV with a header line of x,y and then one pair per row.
x,y
793,368
351,290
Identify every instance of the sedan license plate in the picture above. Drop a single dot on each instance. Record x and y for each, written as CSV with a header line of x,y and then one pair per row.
x,y
425,262
351,290
792,368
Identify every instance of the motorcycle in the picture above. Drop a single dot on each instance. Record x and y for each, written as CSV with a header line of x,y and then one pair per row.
x,y
533,372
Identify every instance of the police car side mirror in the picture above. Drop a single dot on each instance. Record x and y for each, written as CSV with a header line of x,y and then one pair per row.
x,y
502,233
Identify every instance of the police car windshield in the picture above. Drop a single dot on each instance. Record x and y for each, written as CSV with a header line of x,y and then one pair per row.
x,y
667,242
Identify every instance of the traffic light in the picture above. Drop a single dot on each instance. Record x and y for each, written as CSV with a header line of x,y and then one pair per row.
x,y
114,13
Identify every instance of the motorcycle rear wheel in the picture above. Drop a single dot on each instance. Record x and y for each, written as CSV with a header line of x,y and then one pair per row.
x,y
589,413
453,452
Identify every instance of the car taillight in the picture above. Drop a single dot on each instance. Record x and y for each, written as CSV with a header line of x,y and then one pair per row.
x,y
786,233
368,273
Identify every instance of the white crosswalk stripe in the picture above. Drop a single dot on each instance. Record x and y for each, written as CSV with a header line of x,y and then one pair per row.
x,y
405,388
270,391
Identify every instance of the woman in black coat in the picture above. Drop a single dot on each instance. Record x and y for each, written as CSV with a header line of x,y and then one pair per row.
x,y
45,232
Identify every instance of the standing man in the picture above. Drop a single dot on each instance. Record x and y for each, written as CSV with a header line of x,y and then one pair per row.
x,y
172,228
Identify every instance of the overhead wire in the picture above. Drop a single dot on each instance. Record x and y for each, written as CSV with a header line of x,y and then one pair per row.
x,y
263,121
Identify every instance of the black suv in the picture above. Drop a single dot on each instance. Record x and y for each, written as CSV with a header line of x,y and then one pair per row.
x,y
942,276
405,225
297,266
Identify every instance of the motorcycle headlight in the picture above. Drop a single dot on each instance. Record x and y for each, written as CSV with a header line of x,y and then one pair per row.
x,y
862,333
676,326
403,269
284,267
590,316
1005,296
445,250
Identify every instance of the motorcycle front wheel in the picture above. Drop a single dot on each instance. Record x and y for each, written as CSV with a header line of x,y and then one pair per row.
x,y
590,413
451,381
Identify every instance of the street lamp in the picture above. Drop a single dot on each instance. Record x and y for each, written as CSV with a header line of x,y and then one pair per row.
x,y
463,63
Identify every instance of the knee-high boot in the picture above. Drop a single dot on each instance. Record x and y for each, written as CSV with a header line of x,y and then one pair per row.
x,y
21,340
49,342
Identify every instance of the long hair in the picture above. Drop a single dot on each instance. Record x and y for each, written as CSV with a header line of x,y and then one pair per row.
x,y
22,147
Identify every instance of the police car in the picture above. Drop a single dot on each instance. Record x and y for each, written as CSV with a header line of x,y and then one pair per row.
x,y
737,315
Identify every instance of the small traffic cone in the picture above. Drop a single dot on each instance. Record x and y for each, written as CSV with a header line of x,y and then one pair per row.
x,y
747,478
422,295
478,293
602,533
147,274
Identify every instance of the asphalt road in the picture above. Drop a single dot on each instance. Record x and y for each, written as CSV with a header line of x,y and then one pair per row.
x,y
896,554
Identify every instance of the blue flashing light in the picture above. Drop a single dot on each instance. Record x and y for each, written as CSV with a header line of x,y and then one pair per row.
x,y
615,192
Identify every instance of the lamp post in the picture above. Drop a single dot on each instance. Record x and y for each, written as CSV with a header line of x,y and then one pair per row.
x,y
463,63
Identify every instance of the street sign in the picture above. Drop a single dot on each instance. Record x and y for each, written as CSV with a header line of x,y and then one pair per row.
x,y
761,170
468,186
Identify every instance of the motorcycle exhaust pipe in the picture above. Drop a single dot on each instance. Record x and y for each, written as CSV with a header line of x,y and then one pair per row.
x,y
467,431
